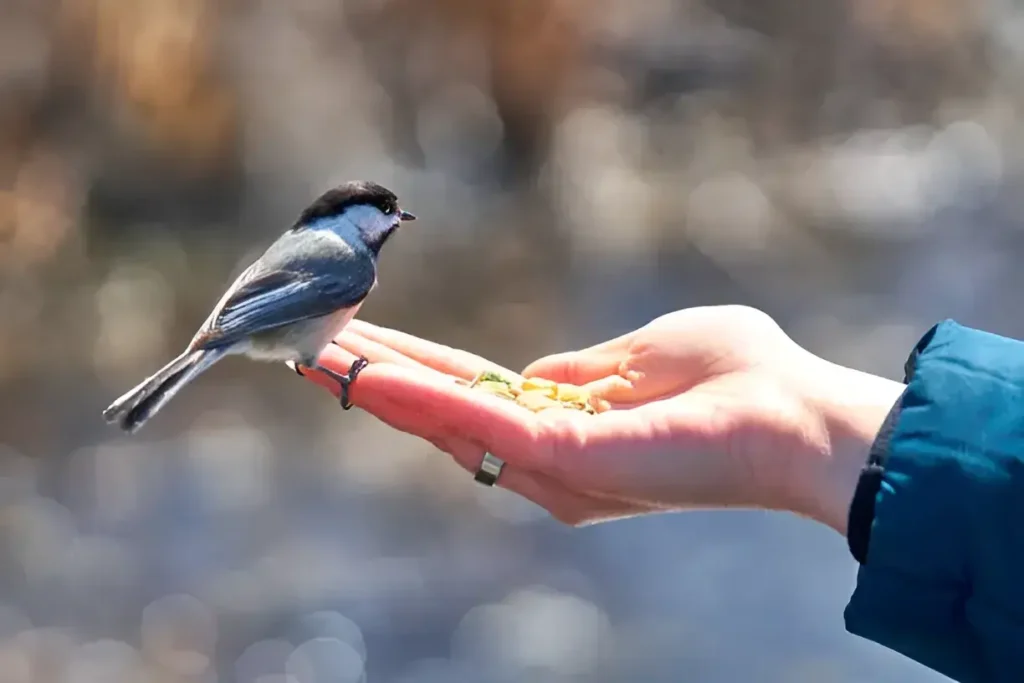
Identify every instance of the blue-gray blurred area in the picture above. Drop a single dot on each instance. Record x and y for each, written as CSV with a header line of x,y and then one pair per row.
x,y
579,167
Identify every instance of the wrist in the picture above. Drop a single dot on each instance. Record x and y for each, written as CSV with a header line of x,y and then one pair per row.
x,y
851,407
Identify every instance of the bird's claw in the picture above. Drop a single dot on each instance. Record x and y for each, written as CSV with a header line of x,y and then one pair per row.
x,y
346,381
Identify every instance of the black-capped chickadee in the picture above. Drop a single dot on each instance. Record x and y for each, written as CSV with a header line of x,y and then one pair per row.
x,y
291,303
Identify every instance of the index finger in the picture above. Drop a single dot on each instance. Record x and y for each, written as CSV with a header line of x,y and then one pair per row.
x,y
443,358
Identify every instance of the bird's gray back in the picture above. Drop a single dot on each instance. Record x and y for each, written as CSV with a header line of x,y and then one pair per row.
x,y
318,251
301,276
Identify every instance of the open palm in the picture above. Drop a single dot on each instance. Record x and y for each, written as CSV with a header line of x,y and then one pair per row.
x,y
702,412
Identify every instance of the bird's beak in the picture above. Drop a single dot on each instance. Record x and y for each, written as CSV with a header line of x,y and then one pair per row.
x,y
406,216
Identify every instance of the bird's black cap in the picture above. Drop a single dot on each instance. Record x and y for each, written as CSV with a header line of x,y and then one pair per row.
x,y
334,201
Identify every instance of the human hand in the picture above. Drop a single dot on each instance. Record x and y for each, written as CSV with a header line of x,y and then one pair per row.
x,y
710,407
420,387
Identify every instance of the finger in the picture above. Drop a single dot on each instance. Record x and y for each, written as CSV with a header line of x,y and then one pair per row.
x,y
351,345
583,366
437,356
433,406
416,401
340,360
465,423
365,392
565,505
615,389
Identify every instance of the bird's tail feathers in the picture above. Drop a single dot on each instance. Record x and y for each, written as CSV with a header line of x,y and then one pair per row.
x,y
138,405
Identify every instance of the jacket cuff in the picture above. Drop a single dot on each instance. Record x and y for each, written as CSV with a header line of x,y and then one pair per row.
x,y
862,508
940,480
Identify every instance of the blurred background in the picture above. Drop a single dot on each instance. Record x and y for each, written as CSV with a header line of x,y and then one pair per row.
x,y
579,167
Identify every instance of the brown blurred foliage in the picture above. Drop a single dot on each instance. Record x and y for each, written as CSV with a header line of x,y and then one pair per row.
x,y
118,117
530,53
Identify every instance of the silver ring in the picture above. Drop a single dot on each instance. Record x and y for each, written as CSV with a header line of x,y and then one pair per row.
x,y
490,470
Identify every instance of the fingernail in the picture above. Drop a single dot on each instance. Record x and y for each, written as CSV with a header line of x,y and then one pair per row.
x,y
294,368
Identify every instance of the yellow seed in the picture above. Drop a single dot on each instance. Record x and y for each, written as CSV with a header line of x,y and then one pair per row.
x,y
536,394
573,393
536,401
539,384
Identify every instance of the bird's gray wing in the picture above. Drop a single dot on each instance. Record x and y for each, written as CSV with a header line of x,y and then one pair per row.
x,y
275,298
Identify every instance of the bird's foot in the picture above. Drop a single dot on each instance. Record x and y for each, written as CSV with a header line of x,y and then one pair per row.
x,y
345,381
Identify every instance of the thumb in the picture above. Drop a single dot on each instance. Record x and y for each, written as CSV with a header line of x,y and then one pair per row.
x,y
582,366
574,367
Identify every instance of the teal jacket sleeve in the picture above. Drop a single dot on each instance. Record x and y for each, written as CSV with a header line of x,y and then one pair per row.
x,y
942,579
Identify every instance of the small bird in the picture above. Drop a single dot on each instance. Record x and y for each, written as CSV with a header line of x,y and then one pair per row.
x,y
291,302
